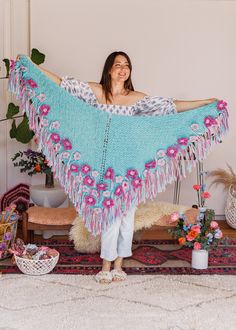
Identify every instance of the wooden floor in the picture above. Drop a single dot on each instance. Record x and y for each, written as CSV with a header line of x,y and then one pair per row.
x,y
158,232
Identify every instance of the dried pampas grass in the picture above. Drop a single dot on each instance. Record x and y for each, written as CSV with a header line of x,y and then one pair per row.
x,y
225,177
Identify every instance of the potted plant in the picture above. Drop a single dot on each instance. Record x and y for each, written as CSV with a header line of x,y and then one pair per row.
x,y
33,162
201,236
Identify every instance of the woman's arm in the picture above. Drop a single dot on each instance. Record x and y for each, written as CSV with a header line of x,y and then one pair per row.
x,y
49,74
188,105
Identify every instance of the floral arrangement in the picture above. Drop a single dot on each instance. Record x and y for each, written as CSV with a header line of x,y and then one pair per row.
x,y
32,162
32,251
201,235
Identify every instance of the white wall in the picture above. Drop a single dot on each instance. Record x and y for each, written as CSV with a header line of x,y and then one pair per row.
x,y
181,49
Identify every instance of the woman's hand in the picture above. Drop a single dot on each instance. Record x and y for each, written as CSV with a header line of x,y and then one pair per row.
x,y
19,55
212,100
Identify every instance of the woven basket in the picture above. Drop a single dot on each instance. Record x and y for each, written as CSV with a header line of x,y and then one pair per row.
x,y
230,209
7,237
36,267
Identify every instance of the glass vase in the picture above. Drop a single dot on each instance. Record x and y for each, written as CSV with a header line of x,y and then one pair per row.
x,y
49,180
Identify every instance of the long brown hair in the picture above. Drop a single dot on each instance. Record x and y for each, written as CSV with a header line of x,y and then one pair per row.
x,y
106,78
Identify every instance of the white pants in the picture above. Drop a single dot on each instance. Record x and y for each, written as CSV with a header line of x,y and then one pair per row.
x,y
116,241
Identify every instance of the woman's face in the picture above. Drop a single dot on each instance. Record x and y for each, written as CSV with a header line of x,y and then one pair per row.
x,y
120,69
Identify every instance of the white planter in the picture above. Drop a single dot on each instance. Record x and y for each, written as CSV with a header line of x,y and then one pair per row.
x,y
200,259
47,197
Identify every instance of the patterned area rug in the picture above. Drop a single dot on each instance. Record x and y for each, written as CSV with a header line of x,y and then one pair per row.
x,y
149,257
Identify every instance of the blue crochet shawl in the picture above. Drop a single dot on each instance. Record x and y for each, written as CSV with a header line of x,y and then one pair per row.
x,y
109,163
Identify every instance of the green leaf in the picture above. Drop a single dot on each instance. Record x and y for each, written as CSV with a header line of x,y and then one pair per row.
x,y
7,65
37,57
23,132
12,110
13,130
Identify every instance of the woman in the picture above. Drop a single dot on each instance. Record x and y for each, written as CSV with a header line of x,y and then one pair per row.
x,y
115,93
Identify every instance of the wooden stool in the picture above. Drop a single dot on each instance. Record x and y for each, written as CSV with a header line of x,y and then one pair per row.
x,y
46,218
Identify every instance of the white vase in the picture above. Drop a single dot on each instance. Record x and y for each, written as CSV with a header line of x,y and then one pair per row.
x,y
200,259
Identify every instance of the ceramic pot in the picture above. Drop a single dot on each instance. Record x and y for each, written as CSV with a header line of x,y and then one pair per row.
x,y
200,259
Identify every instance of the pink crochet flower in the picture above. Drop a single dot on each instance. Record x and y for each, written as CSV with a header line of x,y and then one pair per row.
x,y
132,173
44,109
119,179
85,169
41,97
44,122
57,147
12,63
193,138
222,105
101,186
161,153
55,137
137,182
29,92
125,185
209,121
31,83
106,193
23,68
119,191
77,155
183,141
66,144
194,127
65,154
108,203
90,200
88,181
109,174
171,151
161,162
151,164
95,174
55,124
74,168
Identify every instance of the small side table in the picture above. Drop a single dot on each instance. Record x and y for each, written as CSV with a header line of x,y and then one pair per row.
x,y
47,197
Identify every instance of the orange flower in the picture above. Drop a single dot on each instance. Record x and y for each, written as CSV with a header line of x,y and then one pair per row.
x,y
181,240
37,168
192,235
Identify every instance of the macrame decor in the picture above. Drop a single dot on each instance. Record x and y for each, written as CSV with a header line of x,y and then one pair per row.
x,y
109,163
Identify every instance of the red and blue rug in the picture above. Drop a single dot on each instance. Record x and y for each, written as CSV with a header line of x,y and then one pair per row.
x,y
149,257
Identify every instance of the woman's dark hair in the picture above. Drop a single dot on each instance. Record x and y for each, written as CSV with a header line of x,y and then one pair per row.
x,y
106,78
